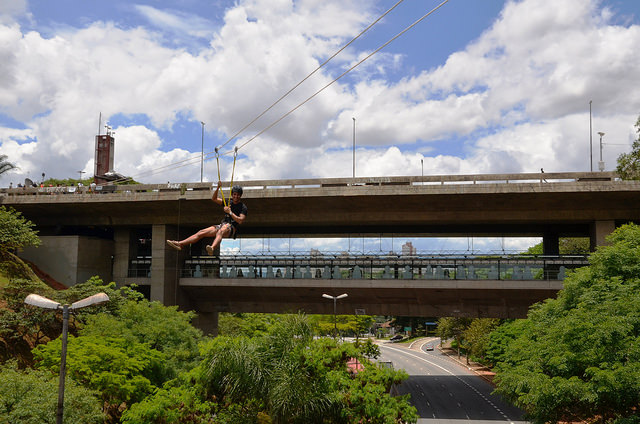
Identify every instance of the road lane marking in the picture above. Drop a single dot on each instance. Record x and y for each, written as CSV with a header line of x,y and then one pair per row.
x,y
409,353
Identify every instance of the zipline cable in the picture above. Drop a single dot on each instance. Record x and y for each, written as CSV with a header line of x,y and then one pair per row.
x,y
343,74
208,154
312,73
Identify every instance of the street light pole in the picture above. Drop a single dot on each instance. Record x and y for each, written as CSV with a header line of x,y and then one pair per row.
x,y
601,163
354,147
590,139
63,363
43,302
202,155
335,299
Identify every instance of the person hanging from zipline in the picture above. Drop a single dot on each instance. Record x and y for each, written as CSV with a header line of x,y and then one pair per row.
x,y
235,214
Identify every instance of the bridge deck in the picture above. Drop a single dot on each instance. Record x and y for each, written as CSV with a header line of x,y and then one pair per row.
x,y
435,298
517,204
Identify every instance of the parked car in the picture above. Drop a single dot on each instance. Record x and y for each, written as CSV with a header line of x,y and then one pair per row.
x,y
396,338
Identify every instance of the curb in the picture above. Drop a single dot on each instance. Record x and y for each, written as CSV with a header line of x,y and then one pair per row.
x,y
470,368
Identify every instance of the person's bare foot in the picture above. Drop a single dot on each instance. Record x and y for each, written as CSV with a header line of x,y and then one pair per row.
x,y
174,244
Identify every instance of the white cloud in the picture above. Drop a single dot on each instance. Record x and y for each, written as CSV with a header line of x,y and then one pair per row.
x,y
176,22
517,96
10,9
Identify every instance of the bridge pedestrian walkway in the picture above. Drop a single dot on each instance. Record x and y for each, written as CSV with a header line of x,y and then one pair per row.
x,y
372,267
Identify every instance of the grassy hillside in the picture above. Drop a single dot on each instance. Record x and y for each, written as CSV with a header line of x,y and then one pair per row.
x,y
12,267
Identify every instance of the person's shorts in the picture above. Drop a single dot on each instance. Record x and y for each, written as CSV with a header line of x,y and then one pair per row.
x,y
233,232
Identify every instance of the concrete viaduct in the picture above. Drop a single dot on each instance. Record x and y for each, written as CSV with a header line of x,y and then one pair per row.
x,y
103,232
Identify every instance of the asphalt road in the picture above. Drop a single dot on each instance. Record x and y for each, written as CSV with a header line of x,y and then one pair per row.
x,y
444,391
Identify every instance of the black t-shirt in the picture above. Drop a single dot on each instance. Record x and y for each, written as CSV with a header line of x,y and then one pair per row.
x,y
236,208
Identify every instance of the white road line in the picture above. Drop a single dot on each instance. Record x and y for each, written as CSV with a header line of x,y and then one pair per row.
x,y
449,372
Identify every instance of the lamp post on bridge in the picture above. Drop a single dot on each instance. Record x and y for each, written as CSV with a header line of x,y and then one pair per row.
x,y
601,163
354,147
43,302
202,154
335,299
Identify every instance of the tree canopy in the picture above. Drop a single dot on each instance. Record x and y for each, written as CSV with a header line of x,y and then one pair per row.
x,y
5,165
284,375
16,231
629,163
577,357
31,397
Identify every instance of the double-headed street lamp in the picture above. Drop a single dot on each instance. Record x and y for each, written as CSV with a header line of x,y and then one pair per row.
x,y
335,299
43,302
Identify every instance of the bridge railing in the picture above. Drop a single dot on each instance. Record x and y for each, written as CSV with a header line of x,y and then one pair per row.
x,y
516,267
110,189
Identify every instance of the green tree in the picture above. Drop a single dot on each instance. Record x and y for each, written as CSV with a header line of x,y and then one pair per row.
x,y
453,328
368,398
567,246
346,324
171,405
123,372
163,328
629,163
16,231
5,165
31,397
245,324
476,336
23,327
501,337
578,356
290,377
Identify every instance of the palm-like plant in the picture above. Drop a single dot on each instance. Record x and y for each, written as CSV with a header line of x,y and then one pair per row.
x,y
271,371
5,165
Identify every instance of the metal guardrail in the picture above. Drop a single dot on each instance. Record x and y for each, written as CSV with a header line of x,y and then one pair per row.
x,y
366,267
552,177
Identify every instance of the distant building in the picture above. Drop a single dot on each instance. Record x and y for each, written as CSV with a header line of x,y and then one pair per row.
x,y
408,249
103,165
103,172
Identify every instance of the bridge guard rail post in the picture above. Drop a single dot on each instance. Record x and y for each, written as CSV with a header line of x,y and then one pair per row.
x,y
551,269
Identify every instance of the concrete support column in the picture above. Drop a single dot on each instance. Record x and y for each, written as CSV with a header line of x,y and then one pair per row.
x,y
165,265
551,247
207,322
121,254
551,243
599,231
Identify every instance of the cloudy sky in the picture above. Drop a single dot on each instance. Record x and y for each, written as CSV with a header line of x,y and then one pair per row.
x,y
477,87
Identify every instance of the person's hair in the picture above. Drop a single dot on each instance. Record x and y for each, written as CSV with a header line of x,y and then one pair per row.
x,y
237,189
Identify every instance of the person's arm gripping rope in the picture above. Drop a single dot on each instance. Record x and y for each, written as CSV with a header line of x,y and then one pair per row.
x,y
215,197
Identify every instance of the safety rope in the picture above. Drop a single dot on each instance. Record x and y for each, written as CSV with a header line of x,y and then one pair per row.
x,y
233,171
219,178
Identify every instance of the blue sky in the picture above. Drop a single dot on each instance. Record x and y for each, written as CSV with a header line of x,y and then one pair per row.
x,y
477,87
